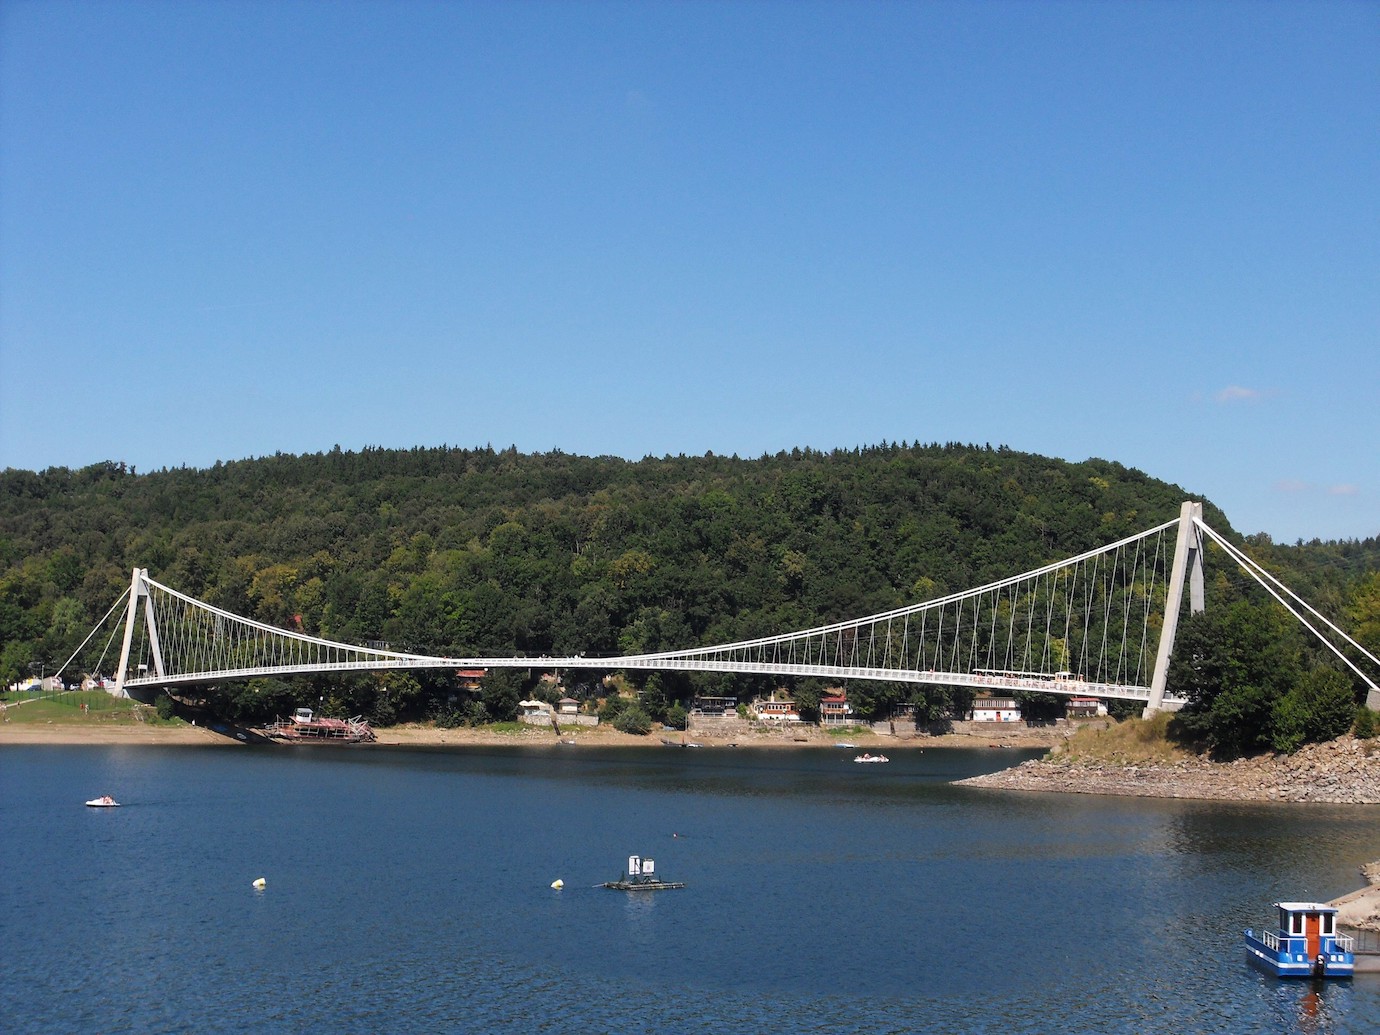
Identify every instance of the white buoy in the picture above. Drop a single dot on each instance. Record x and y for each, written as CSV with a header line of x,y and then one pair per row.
x,y
261,884
558,884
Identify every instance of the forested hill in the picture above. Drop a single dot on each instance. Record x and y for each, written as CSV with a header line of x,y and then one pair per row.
x,y
477,551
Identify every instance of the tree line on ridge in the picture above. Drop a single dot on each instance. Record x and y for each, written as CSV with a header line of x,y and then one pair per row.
x,y
466,552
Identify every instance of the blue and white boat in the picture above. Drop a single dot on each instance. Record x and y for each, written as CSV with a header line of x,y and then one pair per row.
x,y
1306,945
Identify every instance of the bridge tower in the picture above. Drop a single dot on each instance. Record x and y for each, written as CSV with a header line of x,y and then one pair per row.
x,y
138,589
1188,563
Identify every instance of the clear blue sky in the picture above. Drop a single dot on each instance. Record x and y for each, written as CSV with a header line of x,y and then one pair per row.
x,y
1140,231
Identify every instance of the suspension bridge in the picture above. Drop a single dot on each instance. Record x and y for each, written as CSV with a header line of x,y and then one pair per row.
x,y
1101,624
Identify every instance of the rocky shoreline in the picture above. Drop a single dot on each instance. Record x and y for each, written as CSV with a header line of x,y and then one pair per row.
x,y
1360,910
1341,772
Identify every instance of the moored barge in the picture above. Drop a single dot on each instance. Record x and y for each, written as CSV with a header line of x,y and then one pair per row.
x,y
306,728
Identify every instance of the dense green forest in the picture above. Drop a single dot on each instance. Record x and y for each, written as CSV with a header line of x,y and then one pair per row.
x,y
476,551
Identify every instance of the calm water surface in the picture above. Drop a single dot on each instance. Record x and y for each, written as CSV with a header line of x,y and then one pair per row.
x,y
409,890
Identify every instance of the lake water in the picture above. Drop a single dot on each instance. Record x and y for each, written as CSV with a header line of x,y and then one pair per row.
x,y
409,891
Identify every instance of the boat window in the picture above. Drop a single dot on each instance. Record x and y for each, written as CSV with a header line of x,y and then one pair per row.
x,y
1327,919
1296,923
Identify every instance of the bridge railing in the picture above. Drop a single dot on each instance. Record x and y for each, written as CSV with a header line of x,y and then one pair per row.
x,y
1032,684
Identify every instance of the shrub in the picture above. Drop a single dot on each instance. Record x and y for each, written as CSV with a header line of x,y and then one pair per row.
x,y
1364,727
1289,724
676,717
633,720
1320,707
448,716
165,707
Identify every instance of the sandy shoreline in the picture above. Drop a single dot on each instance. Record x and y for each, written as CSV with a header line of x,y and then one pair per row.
x,y
106,733
416,735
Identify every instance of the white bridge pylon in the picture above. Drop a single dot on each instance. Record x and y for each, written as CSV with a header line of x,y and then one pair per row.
x,y
1100,624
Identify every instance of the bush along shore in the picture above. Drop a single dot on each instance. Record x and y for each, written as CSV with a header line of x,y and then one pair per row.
x,y
1345,771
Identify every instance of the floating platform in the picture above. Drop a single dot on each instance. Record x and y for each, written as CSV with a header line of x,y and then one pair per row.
x,y
641,876
643,885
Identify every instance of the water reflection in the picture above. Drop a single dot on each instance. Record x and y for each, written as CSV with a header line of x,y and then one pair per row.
x,y
1270,845
1318,1008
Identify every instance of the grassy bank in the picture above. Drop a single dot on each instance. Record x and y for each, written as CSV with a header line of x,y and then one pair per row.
x,y
80,707
1128,741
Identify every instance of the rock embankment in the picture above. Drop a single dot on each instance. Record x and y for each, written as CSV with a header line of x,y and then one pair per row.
x,y
1361,909
1344,772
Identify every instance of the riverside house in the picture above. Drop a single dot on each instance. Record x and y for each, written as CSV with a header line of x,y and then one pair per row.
x,y
835,710
776,711
1084,708
995,709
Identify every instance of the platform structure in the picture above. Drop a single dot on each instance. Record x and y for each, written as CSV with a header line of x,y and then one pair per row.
x,y
641,876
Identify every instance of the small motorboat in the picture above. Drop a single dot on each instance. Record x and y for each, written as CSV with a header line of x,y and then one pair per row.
x,y
1306,944
867,757
105,801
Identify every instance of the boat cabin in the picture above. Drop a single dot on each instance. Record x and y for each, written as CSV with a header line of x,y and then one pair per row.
x,y
302,715
1305,945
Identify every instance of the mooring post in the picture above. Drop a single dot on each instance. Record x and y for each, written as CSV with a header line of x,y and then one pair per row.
x,y
1188,560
